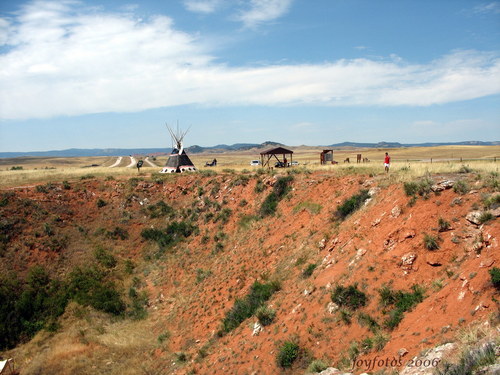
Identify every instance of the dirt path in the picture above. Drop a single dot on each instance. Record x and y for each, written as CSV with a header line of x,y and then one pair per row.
x,y
133,162
117,162
150,162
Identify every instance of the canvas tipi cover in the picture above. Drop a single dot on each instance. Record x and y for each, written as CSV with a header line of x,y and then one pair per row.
x,y
178,161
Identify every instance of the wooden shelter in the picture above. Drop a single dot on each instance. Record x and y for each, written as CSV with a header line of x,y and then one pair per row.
x,y
276,153
326,156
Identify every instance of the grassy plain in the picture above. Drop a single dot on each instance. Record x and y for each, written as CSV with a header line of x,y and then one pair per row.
x,y
406,163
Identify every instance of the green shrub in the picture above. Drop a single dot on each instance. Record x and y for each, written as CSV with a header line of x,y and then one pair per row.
x,y
465,169
317,366
410,188
351,205
400,302
118,233
88,286
443,225
265,315
349,297
240,180
345,316
431,242
461,187
495,277
244,308
28,306
101,203
308,271
287,354
66,185
414,188
491,201
104,257
160,209
223,216
280,189
170,235
202,274
470,361
129,266
485,217
259,187
16,168
367,321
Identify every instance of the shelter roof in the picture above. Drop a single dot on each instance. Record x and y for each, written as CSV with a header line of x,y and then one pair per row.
x,y
277,151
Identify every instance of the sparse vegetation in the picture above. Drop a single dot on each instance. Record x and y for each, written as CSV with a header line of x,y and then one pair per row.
x,y
244,308
287,354
350,297
461,187
431,242
160,209
351,205
308,271
495,277
443,225
265,315
485,217
421,187
101,203
317,366
400,302
469,361
167,237
280,189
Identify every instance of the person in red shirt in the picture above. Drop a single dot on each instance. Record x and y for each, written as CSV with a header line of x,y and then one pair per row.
x,y
387,162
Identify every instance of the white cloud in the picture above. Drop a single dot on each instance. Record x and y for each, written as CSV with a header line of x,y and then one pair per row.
x,y
264,11
202,6
65,61
493,7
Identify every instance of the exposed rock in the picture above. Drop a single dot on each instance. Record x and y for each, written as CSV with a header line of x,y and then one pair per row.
x,y
402,352
407,260
435,354
334,371
495,212
322,244
410,233
396,211
373,191
434,259
443,185
389,244
332,307
473,217
375,222
485,263
309,290
257,328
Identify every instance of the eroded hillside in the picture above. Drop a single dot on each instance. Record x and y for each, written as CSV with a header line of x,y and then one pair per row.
x,y
180,256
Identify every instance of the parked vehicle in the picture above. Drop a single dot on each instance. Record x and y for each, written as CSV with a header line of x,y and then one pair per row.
x,y
255,163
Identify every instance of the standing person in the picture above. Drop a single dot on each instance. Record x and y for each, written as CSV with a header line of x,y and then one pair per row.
x,y
387,162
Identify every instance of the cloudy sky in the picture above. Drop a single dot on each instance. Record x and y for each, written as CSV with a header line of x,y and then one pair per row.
x,y
106,74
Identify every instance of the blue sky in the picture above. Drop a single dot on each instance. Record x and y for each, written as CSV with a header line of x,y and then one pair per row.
x,y
109,74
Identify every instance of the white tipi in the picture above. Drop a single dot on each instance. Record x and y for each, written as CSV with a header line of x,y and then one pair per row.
x,y
178,161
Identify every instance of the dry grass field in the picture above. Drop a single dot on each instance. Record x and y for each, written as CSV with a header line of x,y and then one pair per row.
x,y
414,161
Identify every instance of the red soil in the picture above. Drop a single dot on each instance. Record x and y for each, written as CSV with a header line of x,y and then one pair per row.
x,y
367,249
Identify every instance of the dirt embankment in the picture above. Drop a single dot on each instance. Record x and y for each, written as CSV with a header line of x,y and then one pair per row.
x,y
193,284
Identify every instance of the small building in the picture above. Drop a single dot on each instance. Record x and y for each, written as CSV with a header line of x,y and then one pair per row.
x,y
326,156
279,154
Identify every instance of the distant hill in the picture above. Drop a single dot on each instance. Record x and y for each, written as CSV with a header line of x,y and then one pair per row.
x,y
398,145
77,152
